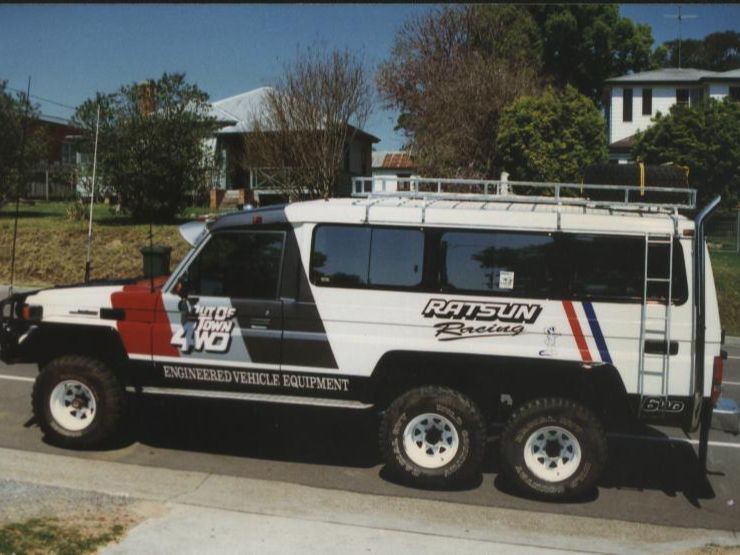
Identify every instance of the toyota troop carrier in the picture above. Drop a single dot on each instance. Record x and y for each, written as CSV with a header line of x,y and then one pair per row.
x,y
557,310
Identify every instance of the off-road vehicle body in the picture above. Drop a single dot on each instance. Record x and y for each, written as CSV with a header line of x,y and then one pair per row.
x,y
445,309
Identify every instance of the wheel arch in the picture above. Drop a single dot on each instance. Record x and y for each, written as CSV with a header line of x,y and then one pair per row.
x,y
50,341
484,378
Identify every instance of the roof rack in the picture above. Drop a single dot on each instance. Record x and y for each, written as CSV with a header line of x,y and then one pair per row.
x,y
661,199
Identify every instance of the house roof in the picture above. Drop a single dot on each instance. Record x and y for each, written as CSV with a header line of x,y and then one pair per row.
x,y
393,160
54,119
674,75
241,110
623,145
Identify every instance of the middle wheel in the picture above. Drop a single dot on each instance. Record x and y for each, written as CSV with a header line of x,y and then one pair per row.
x,y
433,436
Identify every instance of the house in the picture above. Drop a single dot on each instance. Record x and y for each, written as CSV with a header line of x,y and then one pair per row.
x,y
633,100
390,166
238,113
47,180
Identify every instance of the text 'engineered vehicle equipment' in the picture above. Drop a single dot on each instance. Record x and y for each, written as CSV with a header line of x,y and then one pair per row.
x,y
559,311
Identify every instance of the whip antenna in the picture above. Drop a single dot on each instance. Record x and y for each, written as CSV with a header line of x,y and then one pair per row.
x,y
88,260
21,152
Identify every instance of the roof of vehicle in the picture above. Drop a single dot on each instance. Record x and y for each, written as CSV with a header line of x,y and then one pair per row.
x,y
478,214
392,210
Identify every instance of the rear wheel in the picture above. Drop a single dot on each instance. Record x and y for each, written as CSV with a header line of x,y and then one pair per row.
x,y
433,436
553,448
78,402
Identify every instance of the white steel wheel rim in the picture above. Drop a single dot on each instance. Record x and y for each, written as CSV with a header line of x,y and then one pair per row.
x,y
552,453
431,440
72,405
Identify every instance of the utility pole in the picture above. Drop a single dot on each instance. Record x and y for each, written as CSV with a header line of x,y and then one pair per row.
x,y
679,17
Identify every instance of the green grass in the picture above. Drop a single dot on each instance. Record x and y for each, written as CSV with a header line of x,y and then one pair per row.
x,y
51,247
726,268
50,535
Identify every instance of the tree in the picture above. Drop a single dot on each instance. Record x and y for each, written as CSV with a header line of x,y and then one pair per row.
x,y
309,120
450,73
705,138
22,142
152,148
551,137
585,44
715,52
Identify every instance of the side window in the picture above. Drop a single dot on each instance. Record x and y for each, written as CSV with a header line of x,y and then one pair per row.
x,y
605,267
354,256
243,265
510,264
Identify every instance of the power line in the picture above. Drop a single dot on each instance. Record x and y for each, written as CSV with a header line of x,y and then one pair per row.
x,y
44,99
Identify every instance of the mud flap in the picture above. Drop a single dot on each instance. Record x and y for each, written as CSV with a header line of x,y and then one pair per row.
x,y
705,425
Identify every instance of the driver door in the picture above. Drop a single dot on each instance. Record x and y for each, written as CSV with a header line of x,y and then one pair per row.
x,y
231,318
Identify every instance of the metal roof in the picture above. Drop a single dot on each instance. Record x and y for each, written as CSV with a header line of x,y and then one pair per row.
x,y
393,160
675,75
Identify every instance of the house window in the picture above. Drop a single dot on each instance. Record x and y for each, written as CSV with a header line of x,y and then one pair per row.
x,y
627,105
735,94
682,96
696,96
647,102
68,153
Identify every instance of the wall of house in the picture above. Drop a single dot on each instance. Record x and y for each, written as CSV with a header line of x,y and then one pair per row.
x,y
663,99
718,90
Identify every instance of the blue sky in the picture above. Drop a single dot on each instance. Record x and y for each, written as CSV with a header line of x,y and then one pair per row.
x,y
71,52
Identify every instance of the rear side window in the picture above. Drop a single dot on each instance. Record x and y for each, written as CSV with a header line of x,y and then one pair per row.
x,y
518,264
613,268
354,256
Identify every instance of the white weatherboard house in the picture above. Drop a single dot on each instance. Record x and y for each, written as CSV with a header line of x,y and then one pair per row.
x,y
633,100
238,113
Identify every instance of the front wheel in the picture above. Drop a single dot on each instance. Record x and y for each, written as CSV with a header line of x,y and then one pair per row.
x,y
433,436
78,402
553,449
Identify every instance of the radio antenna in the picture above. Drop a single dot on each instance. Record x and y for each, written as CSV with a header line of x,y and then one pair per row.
x,y
679,17
21,152
88,260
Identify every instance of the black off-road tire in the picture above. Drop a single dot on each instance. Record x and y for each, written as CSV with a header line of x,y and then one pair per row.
x,y
109,398
572,417
458,409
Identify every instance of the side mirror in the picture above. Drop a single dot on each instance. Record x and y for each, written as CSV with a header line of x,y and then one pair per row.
x,y
182,287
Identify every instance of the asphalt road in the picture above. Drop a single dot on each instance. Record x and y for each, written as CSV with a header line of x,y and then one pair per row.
x,y
649,478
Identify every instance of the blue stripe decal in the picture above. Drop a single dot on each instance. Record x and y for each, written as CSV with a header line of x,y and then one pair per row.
x,y
596,330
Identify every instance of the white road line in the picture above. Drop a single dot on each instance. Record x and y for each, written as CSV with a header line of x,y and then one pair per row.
x,y
734,357
17,378
730,383
676,439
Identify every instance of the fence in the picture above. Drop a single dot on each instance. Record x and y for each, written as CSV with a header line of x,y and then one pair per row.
x,y
46,183
723,232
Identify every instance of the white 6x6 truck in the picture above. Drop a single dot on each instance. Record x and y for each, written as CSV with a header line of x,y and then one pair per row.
x,y
560,311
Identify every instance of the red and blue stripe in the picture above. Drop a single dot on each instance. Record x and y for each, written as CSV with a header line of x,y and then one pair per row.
x,y
580,339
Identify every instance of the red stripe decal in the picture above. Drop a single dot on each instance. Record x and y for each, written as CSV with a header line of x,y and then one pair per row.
x,y
575,327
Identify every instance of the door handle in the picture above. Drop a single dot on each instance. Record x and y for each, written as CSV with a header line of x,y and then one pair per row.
x,y
259,323
659,347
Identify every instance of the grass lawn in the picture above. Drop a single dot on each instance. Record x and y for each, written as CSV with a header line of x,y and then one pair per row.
x,y
51,250
726,268
51,247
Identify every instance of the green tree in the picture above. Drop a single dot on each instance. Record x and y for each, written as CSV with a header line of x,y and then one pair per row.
x,y
585,44
705,138
450,73
22,142
152,148
715,52
551,137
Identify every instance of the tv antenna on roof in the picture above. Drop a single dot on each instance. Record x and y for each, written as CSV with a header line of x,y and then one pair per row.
x,y
679,17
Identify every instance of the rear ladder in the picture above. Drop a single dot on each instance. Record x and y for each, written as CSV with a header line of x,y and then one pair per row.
x,y
655,322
